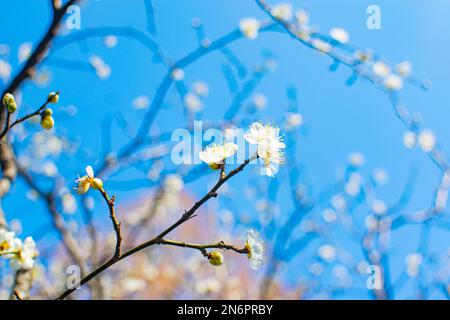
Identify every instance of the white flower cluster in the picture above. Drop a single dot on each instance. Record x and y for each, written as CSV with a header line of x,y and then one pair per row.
x,y
255,247
392,80
269,149
87,181
102,70
282,11
269,142
193,99
214,155
413,263
425,139
22,254
249,27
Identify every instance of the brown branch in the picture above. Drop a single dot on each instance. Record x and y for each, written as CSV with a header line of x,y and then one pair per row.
x,y
202,247
157,240
16,294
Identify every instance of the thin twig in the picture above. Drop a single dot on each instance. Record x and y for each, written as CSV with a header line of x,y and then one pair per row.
x,y
115,222
203,247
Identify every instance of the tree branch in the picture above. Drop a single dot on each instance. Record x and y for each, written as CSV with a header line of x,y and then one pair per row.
x,y
115,222
202,247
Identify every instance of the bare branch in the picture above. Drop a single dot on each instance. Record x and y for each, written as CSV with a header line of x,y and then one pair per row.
x,y
115,222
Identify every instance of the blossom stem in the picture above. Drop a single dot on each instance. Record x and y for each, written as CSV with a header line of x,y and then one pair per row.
x,y
203,247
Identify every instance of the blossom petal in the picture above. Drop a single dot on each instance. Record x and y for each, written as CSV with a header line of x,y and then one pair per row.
x,y
90,172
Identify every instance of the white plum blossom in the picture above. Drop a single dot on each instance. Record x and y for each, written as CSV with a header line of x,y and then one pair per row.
x,y
327,252
305,32
110,41
413,262
340,35
5,70
21,255
249,27
302,17
201,88
255,249
215,154
141,102
409,139
338,202
4,49
26,255
380,176
69,203
8,242
329,216
404,68
321,45
426,140
178,74
294,120
353,185
269,143
173,183
133,284
356,159
193,102
102,70
379,207
364,56
381,69
260,101
371,223
49,168
24,51
282,11
87,181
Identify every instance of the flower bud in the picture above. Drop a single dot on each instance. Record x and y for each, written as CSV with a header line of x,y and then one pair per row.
x,y
216,166
97,183
47,122
9,102
53,97
215,258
